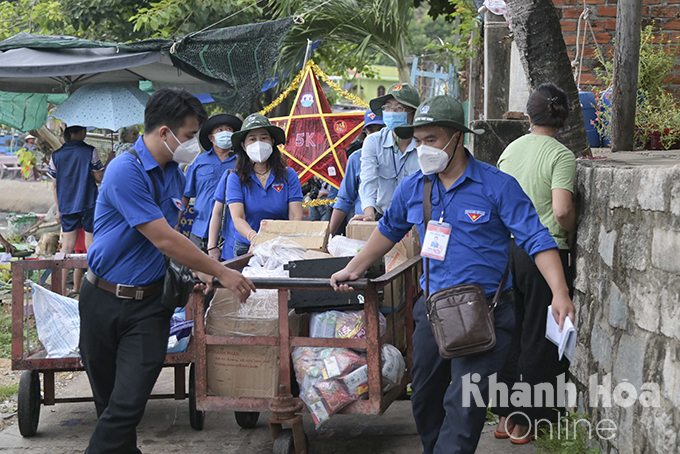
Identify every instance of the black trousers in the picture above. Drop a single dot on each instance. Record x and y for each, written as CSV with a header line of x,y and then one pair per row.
x,y
532,358
123,345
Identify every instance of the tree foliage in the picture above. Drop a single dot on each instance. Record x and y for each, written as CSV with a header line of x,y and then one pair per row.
x,y
105,20
174,18
352,33
35,16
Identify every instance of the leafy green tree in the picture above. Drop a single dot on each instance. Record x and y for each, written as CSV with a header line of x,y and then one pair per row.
x,y
174,18
352,33
34,16
105,20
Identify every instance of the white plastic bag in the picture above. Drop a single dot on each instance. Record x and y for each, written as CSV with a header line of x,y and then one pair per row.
x,y
58,322
393,367
277,252
340,246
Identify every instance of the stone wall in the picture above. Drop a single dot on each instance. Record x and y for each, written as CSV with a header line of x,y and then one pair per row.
x,y
628,293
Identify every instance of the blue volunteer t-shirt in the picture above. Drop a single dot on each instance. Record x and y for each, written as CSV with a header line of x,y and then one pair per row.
x,y
484,206
119,253
348,195
72,166
202,179
270,202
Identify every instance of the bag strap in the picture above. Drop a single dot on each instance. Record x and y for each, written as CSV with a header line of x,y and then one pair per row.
x,y
133,152
427,216
224,207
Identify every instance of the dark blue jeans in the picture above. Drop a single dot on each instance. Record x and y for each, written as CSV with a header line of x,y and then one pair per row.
x,y
240,248
445,425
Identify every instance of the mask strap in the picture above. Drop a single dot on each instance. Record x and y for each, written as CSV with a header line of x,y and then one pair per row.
x,y
448,163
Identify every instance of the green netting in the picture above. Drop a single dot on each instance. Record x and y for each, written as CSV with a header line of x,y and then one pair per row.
x,y
26,111
238,58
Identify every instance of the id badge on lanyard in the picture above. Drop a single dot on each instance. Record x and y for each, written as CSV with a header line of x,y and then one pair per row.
x,y
436,240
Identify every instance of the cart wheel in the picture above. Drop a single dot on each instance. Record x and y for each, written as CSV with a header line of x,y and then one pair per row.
x,y
29,403
247,419
284,443
196,417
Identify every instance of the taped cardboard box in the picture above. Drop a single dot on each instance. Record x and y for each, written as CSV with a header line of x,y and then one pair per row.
x,y
361,230
312,235
394,293
242,370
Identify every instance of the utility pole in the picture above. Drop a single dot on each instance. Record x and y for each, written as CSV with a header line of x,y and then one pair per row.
x,y
625,83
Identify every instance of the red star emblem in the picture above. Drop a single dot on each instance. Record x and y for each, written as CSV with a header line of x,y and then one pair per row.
x,y
316,137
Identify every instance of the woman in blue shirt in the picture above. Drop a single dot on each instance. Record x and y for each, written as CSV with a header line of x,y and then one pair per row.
x,y
261,186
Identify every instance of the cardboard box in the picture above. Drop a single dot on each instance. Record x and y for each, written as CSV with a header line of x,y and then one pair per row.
x,y
312,235
400,334
361,230
409,246
242,370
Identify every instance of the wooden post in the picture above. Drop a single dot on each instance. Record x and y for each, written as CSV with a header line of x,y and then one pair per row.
x,y
625,83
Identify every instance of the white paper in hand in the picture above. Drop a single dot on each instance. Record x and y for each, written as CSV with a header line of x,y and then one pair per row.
x,y
566,340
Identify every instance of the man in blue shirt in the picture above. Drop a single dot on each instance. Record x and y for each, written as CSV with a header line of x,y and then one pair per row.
x,y
484,207
75,169
349,202
385,158
123,324
204,174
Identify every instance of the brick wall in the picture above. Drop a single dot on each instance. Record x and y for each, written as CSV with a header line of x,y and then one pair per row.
x,y
664,14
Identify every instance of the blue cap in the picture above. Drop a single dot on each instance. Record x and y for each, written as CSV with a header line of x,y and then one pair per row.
x,y
372,119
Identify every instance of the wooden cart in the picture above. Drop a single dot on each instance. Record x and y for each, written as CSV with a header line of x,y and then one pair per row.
x,y
285,407
28,355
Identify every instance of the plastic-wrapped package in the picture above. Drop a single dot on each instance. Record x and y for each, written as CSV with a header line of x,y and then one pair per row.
x,y
58,322
340,246
357,382
275,253
258,316
393,367
321,374
343,325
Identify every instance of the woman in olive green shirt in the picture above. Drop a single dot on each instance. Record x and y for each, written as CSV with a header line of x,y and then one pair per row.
x,y
545,169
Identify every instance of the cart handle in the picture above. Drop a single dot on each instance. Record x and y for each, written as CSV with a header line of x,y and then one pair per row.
x,y
286,283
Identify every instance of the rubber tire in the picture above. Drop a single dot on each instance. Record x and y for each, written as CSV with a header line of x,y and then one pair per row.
x,y
285,444
196,417
29,403
247,419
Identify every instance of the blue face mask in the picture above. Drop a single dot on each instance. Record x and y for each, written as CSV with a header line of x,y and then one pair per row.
x,y
223,139
394,119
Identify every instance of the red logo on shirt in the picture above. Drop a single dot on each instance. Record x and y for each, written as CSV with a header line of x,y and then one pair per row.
x,y
278,187
474,214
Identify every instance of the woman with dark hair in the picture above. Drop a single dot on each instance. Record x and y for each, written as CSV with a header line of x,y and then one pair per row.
x,y
545,169
261,186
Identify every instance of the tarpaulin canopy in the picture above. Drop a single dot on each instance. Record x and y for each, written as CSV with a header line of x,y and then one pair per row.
x,y
26,111
231,63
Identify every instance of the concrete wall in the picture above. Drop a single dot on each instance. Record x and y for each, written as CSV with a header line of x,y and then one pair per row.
x,y
628,293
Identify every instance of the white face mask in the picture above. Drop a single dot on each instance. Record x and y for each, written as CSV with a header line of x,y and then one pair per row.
x,y
186,152
434,160
259,151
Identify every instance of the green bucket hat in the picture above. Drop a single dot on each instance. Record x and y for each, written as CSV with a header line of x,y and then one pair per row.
x,y
257,121
405,94
440,110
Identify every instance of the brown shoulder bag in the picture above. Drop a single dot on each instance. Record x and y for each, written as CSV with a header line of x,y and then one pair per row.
x,y
460,316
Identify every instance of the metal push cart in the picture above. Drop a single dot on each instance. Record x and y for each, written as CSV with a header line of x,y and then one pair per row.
x,y
284,406
28,355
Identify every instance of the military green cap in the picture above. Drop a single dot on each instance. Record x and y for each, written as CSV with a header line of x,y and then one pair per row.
x,y
405,94
257,121
440,110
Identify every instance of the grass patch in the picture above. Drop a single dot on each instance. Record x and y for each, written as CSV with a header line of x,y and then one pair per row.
x,y
5,331
8,391
568,437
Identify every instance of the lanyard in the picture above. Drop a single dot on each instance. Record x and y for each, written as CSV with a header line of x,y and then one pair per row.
x,y
442,200
395,150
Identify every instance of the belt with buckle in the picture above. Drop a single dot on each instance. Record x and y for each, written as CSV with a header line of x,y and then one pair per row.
x,y
128,292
